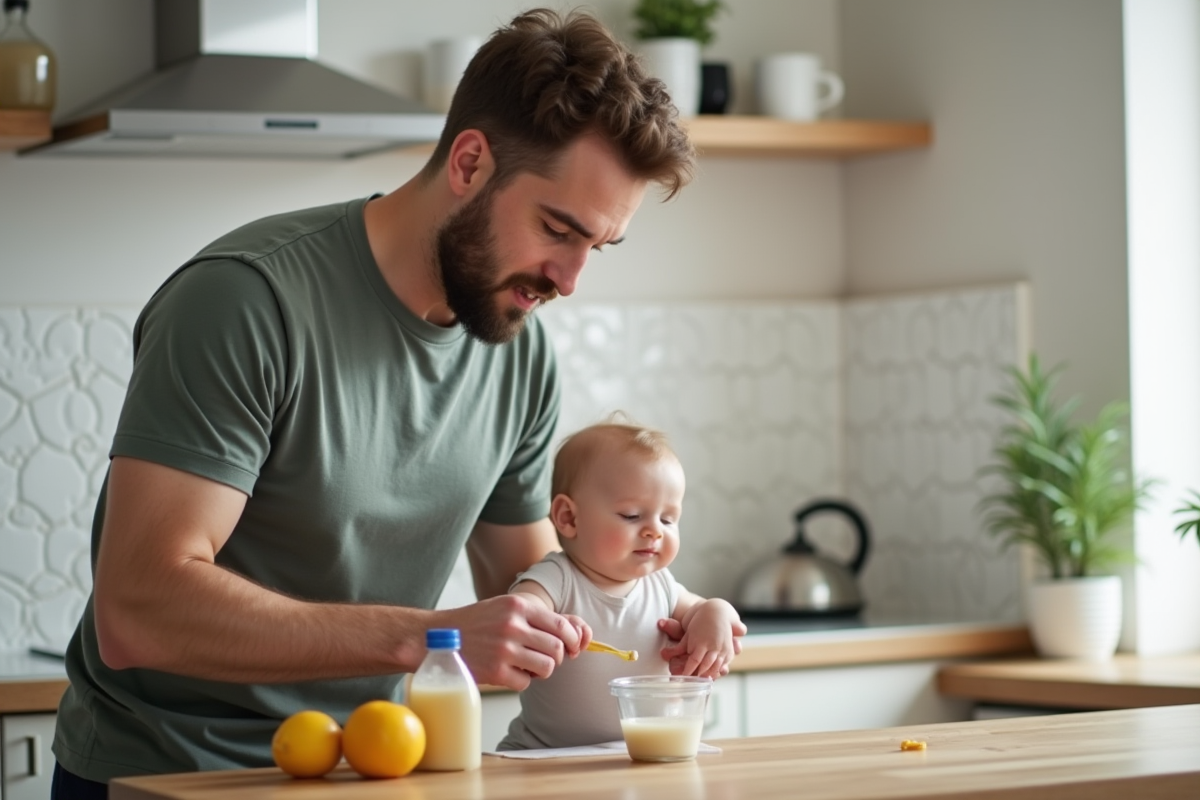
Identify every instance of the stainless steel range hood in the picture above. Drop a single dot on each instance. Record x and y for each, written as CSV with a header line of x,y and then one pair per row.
x,y
237,78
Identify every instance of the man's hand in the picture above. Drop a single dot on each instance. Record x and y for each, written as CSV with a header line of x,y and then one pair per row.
x,y
584,630
705,640
511,639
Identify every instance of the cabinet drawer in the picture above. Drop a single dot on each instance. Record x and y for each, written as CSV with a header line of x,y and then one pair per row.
x,y
847,698
27,764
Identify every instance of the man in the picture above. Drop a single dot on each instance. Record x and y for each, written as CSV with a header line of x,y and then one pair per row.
x,y
326,406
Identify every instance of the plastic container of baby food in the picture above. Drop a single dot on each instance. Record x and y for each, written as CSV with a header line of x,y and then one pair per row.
x,y
662,716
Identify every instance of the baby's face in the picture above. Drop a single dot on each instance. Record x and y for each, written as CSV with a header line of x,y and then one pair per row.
x,y
627,508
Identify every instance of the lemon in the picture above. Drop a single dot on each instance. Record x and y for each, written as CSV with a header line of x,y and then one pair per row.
x,y
383,739
307,744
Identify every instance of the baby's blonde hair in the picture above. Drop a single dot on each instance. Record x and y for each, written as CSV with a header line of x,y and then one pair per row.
x,y
619,433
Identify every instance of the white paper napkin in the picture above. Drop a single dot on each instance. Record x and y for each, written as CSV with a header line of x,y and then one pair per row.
x,y
604,749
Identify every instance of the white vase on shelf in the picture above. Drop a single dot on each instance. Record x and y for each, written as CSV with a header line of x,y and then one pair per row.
x,y
675,60
1076,617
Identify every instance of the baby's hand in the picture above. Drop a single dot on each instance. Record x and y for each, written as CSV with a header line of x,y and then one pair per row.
x,y
711,634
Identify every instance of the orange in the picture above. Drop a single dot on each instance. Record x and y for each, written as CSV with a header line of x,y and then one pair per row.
x,y
383,739
307,744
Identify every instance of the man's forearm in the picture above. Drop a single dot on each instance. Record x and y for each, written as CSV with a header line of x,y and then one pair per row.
x,y
201,620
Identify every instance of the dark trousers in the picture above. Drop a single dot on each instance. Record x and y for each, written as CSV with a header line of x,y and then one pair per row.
x,y
72,787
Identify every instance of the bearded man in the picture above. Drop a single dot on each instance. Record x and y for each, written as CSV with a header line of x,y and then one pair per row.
x,y
326,406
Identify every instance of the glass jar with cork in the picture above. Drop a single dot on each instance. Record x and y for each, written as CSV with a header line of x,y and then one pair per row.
x,y
27,66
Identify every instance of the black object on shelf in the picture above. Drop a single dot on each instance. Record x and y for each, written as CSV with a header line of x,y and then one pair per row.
x,y
715,88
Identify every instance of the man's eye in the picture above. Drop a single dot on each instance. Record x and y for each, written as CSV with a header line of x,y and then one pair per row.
x,y
556,235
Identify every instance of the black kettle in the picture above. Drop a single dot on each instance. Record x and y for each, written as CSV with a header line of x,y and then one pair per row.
x,y
801,582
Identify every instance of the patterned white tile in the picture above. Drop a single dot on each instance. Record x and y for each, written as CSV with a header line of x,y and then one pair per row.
x,y
919,425
749,395
768,405
63,373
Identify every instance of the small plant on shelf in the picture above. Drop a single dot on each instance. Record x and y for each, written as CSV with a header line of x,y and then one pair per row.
x,y
1065,485
689,19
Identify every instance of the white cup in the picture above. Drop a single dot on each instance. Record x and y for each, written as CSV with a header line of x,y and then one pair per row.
x,y
445,62
793,86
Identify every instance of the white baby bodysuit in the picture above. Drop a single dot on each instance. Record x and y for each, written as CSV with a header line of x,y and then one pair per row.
x,y
574,706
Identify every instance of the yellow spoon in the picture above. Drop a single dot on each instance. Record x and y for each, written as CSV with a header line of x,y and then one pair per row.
x,y
601,647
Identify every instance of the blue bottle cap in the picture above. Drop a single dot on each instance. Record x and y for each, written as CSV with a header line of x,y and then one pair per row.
x,y
443,639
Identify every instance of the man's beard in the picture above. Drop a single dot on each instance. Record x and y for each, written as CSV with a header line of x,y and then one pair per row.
x,y
467,266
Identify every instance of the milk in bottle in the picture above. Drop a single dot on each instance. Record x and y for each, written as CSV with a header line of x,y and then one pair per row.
x,y
444,695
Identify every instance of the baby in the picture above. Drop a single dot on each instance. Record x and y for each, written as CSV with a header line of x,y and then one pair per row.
x,y
617,498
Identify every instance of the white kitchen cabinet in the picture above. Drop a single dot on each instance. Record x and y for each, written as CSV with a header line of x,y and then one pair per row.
x,y
846,698
499,708
26,762
724,717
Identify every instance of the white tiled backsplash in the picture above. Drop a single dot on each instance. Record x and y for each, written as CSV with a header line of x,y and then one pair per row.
x,y
769,405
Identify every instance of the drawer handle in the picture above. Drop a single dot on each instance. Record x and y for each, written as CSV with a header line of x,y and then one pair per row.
x,y
33,750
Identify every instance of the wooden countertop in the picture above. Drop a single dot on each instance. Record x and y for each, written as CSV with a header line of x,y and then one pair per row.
x,y
30,683
1100,755
36,684
1128,681
879,643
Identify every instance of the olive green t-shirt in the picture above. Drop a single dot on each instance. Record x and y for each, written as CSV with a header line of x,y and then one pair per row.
x,y
369,442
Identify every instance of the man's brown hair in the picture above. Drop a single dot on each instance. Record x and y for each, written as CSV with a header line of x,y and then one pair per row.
x,y
543,80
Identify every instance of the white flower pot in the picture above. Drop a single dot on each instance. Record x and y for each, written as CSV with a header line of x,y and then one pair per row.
x,y
676,62
1076,617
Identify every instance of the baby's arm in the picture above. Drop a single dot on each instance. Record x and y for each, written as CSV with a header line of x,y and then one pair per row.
x,y
535,590
710,632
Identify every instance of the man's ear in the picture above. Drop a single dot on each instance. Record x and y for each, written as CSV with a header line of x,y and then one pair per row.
x,y
562,515
470,164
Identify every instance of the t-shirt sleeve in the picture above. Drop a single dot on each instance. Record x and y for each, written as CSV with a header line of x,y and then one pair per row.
x,y
522,494
672,587
209,372
552,575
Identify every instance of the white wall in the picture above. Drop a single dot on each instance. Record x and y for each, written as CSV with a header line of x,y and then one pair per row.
x,y
1025,179
1162,90
76,230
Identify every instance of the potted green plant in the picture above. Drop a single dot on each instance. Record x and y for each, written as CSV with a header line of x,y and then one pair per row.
x,y
1064,492
671,33
689,19
1191,521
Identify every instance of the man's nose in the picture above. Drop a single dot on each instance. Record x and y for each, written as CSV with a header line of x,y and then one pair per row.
x,y
564,271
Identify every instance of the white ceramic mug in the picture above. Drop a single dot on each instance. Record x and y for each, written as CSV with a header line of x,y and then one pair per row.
x,y
445,62
793,86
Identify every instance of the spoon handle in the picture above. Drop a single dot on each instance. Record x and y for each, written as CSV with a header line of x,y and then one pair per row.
x,y
601,647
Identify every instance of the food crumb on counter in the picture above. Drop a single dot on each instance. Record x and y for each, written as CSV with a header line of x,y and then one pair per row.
x,y
912,744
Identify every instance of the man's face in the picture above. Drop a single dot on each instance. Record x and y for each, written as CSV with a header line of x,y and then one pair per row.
x,y
470,273
507,251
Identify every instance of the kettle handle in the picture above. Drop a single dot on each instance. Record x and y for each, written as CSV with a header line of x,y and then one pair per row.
x,y
854,515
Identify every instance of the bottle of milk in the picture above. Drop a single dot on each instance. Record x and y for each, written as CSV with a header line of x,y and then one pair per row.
x,y
444,695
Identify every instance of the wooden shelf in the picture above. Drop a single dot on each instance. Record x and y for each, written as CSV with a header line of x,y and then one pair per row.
x,y
834,138
20,129
712,135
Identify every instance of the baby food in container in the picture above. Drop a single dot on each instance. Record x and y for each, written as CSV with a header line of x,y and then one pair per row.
x,y
662,716
444,695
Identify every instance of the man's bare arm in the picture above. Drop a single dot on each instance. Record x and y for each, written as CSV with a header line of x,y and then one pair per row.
x,y
161,602
497,553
